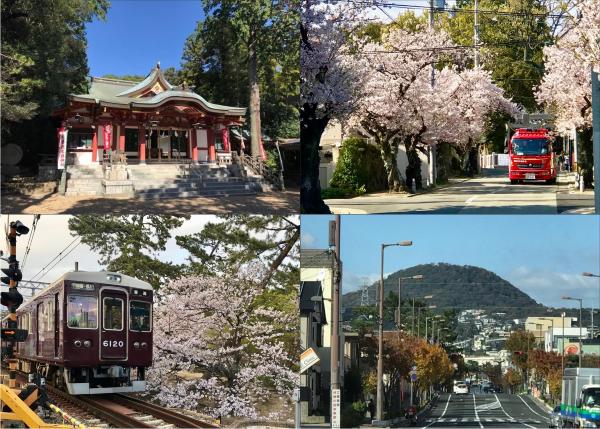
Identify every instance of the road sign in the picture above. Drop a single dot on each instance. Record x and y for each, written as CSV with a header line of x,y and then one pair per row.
x,y
336,402
307,359
413,377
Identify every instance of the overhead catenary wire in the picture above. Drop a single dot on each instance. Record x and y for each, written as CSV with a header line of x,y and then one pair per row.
x,y
36,219
57,262
36,276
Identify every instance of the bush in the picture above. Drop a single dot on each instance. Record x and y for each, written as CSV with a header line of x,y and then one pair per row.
x,y
353,415
359,168
342,192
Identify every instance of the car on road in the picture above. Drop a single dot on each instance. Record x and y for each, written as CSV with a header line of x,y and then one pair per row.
x,y
461,389
554,417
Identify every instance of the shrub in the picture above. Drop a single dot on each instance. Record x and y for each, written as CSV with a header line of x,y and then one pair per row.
x,y
353,415
359,168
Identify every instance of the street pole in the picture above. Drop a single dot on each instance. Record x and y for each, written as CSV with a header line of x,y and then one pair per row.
x,y
476,34
398,321
562,355
596,137
580,331
412,329
335,322
379,412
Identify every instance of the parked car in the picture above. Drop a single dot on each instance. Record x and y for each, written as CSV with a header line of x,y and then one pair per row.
x,y
461,389
554,417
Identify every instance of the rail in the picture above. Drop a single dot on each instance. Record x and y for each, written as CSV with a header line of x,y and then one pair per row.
x,y
258,166
169,416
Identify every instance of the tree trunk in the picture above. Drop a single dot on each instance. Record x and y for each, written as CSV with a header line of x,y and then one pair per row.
x,y
311,130
413,169
255,133
586,158
389,154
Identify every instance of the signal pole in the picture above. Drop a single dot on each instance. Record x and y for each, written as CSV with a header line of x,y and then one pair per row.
x,y
596,137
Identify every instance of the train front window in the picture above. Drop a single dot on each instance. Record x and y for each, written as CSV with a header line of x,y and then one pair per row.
x,y
139,316
82,312
113,314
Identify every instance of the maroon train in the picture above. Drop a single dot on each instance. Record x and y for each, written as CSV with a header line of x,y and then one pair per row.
x,y
90,332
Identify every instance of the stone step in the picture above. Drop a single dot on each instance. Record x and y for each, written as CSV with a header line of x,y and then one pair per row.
x,y
151,183
194,188
190,194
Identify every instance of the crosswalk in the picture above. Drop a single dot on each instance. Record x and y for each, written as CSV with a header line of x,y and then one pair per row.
x,y
481,419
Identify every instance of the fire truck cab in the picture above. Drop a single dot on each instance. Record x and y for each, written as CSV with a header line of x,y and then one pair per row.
x,y
531,156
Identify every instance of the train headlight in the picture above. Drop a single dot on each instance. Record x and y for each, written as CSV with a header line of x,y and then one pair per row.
x,y
144,345
136,345
77,343
87,343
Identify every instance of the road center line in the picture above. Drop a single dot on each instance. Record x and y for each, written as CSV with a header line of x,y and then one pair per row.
x,y
510,417
443,413
532,410
476,415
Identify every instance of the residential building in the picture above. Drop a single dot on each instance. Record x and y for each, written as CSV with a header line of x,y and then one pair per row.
x,y
312,321
539,325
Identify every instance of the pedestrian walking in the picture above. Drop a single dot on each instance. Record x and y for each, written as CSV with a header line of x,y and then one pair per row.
x,y
371,408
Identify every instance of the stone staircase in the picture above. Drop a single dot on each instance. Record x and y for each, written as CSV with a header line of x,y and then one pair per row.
x,y
84,180
183,180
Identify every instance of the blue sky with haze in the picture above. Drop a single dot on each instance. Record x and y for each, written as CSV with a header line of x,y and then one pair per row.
x,y
542,255
138,33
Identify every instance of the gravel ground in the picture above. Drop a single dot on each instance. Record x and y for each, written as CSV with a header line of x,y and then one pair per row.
x,y
280,203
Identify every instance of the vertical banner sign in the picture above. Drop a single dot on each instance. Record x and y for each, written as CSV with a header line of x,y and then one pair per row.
x,y
107,136
336,403
62,147
225,137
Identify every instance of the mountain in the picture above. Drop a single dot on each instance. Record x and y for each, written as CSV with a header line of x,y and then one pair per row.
x,y
458,287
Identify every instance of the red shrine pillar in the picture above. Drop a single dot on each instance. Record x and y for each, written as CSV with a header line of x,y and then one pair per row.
x,y
142,144
210,137
121,138
95,144
194,145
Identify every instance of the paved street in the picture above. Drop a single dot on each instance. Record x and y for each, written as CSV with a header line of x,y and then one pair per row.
x,y
485,410
490,194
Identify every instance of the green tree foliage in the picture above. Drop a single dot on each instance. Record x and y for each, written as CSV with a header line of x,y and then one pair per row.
x,y
520,344
233,240
43,59
241,44
131,77
359,168
511,44
128,244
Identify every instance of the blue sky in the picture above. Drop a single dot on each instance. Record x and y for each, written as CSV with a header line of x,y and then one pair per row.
x,y
542,255
138,33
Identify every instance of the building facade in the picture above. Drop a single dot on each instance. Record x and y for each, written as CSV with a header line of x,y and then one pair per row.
x,y
150,121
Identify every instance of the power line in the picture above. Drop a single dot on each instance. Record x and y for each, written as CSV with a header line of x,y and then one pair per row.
x,y
57,262
53,259
36,218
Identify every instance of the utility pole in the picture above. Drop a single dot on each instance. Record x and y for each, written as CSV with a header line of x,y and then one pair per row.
x,y
562,355
476,34
596,137
432,146
379,411
335,330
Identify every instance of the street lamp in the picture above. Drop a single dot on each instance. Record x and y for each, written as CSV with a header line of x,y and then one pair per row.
x,y
412,329
379,413
597,276
569,298
435,319
430,307
398,315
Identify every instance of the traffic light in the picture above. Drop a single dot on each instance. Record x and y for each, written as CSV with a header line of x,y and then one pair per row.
x,y
21,229
11,299
16,335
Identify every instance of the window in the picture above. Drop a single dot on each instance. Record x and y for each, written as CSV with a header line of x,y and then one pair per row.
x,y
41,318
79,139
82,312
113,314
140,316
50,315
219,141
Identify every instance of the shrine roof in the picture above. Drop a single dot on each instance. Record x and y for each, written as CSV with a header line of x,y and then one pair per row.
x,y
153,91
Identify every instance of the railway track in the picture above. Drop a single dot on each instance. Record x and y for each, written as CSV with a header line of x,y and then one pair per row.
x,y
121,411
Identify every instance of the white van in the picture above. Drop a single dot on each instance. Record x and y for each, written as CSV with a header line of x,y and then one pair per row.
x,y
461,389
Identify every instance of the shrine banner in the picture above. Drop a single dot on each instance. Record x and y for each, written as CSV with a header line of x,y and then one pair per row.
x,y
107,134
62,147
225,136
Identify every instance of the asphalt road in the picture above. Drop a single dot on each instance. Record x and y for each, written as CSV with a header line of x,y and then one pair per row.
x,y
476,410
490,194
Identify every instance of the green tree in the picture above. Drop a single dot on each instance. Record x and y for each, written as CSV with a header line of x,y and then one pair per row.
x,y
43,59
234,240
519,344
128,244
245,49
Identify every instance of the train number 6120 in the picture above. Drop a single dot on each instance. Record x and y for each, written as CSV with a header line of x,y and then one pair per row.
x,y
108,343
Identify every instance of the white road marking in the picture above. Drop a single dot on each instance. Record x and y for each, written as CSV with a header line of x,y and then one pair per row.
x,y
476,415
532,410
509,416
443,413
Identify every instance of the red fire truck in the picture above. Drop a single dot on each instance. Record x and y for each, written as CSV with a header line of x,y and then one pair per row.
x,y
531,156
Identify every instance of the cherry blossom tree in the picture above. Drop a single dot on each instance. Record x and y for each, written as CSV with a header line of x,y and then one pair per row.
x,y
218,349
329,83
